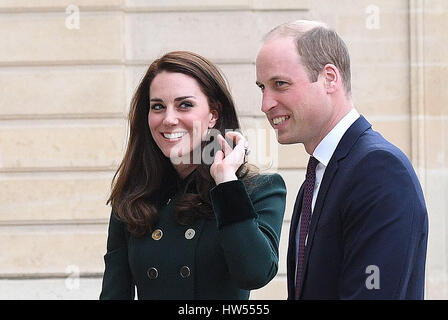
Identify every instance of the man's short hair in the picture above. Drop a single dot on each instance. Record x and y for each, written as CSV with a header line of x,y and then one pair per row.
x,y
317,45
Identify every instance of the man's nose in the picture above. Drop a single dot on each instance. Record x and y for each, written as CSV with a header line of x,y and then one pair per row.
x,y
268,102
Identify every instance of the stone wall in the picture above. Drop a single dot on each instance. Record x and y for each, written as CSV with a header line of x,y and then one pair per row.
x,y
68,70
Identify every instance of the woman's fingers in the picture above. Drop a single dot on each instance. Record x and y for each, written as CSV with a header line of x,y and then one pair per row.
x,y
224,145
219,155
235,136
241,143
228,160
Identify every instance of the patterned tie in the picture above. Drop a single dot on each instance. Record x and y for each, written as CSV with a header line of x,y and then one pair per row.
x,y
305,219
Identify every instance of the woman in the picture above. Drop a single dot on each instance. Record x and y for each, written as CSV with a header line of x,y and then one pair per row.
x,y
190,218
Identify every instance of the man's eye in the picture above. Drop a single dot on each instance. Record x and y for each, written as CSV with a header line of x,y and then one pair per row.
x,y
280,83
156,107
261,86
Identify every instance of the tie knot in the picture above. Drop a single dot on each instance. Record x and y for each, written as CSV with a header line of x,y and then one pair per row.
x,y
312,164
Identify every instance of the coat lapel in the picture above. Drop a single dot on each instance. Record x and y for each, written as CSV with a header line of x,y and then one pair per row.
x,y
343,148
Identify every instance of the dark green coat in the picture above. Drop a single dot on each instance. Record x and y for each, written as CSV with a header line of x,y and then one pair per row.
x,y
210,259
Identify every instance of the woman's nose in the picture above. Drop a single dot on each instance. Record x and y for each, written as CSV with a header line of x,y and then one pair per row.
x,y
170,118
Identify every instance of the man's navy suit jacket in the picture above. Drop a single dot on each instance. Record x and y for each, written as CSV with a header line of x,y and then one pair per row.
x,y
369,227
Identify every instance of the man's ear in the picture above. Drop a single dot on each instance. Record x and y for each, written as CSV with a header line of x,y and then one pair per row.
x,y
332,78
214,118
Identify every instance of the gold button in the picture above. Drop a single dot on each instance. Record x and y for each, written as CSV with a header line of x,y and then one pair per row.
x,y
189,234
157,234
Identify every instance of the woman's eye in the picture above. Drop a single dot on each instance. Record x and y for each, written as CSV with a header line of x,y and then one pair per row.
x,y
156,107
185,104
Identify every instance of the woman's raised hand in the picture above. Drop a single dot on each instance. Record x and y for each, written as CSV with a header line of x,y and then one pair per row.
x,y
228,160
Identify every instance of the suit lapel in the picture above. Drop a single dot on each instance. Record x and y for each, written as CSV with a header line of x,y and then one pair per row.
x,y
330,172
341,151
291,255
296,215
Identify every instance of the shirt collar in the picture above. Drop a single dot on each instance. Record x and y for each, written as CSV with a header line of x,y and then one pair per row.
x,y
325,149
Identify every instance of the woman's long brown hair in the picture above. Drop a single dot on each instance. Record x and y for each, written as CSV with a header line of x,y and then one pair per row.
x,y
145,177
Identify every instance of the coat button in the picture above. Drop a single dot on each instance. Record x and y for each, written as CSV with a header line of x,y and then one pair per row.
x,y
185,272
189,234
157,234
152,273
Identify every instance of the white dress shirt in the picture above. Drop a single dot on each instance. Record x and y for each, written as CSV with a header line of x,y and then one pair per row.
x,y
323,153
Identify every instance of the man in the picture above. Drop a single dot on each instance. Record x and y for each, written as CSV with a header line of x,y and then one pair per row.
x,y
359,227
